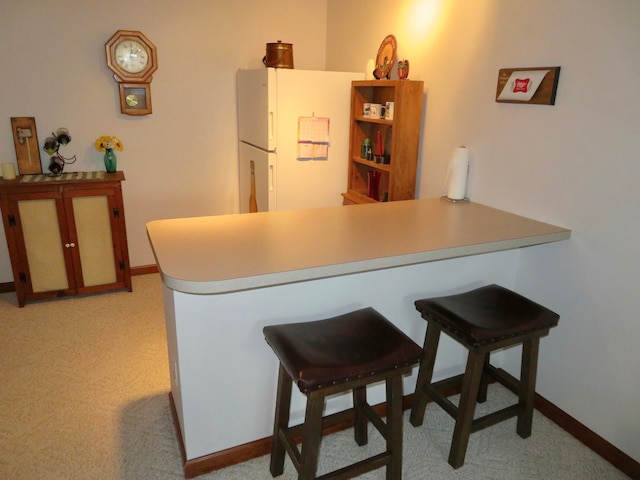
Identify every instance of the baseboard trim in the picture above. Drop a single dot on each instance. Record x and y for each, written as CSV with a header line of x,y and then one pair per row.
x,y
595,442
144,269
588,437
7,287
341,421
140,270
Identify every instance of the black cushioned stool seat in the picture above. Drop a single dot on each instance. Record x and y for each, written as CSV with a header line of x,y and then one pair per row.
x,y
347,352
482,320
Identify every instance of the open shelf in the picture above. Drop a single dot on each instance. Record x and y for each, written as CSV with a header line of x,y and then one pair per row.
x,y
397,138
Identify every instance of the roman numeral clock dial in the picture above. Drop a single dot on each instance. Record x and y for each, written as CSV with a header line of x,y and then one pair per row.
x,y
133,59
131,56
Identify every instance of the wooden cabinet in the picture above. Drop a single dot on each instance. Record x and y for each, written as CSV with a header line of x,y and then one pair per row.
x,y
66,237
395,171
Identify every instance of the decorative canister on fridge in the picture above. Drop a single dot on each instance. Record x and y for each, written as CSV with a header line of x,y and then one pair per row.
x,y
279,55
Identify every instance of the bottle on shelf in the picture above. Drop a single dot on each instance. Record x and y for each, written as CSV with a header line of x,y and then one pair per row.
x,y
365,150
253,204
374,183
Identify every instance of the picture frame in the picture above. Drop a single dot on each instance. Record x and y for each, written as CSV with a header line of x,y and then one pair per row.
x,y
25,139
537,85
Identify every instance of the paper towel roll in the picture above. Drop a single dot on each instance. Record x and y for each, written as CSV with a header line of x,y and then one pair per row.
x,y
458,171
8,171
371,66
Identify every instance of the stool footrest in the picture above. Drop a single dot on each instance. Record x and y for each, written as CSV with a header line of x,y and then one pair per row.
x,y
290,435
448,382
508,381
437,393
339,418
342,417
375,420
434,391
290,444
495,417
358,468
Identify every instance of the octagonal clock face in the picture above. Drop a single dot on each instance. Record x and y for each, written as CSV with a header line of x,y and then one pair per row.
x,y
131,55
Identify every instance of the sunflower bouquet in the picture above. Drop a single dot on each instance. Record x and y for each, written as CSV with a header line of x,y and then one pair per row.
x,y
108,143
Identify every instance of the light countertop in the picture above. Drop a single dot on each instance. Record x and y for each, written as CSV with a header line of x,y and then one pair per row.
x,y
226,253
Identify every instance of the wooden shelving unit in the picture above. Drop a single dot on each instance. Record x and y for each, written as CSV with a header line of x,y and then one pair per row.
x,y
400,140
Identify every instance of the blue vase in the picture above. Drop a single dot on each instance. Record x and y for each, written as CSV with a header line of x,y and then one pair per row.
x,y
110,160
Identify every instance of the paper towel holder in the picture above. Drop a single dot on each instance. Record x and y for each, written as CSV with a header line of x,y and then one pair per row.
x,y
457,176
455,200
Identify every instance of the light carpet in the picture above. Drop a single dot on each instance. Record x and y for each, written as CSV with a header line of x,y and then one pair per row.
x,y
84,395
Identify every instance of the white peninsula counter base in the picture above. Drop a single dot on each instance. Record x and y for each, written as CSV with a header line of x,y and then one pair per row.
x,y
226,277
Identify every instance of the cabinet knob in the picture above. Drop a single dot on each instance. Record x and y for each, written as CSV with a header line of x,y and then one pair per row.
x,y
73,245
70,245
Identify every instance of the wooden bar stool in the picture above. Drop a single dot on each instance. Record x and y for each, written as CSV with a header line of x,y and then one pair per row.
x,y
324,357
483,320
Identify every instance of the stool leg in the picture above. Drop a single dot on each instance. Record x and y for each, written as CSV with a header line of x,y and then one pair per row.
x,y
484,382
466,408
311,436
281,422
528,372
425,373
360,420
394,426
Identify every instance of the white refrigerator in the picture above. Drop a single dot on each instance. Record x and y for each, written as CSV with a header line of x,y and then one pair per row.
x,y
272,103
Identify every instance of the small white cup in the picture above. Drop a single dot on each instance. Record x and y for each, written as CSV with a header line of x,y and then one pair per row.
x,y
388,113
8,171
376,110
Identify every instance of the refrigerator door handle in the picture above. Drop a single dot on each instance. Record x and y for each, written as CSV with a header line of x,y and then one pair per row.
x,y
271,127
271,178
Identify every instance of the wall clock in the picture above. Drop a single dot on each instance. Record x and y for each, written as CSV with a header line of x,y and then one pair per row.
x,y
133,60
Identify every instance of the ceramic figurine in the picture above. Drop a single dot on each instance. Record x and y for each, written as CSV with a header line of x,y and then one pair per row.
x,y
403,69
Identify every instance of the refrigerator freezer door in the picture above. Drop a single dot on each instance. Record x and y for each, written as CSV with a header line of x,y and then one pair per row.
x,y
304,93
256,107
264,170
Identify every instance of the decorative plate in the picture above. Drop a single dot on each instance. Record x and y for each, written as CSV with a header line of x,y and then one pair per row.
x,y
386,57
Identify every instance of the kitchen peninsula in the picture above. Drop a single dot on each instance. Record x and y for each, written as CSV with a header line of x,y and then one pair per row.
x,y
226,277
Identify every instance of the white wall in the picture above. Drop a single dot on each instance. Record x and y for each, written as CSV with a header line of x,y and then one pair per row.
x,y
575,164
180,161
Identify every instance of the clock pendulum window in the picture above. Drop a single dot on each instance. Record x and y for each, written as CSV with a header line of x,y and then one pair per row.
x,y
133,59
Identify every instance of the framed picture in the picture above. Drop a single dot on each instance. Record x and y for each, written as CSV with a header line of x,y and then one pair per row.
x,y
25,139
528,85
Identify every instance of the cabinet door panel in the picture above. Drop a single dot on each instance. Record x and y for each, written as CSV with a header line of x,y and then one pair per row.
x,y
95,240
43,244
